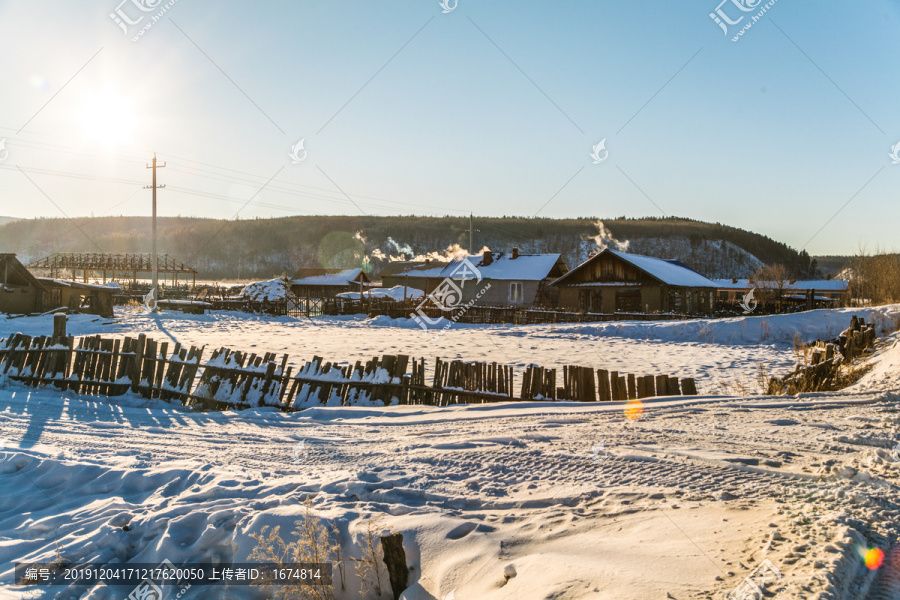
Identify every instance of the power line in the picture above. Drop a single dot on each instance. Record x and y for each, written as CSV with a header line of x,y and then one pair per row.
x,y
106,212
197,172
233,217
60,209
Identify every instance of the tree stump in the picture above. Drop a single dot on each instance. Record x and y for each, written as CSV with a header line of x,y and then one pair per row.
x,y
395,560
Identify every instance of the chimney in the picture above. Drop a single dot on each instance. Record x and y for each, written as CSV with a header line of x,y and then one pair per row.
x,y
487,259
515,253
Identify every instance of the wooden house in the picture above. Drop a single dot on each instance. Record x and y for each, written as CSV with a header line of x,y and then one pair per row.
x,y
20,291
421,275
617,282
820,293
84,297
327,283
489,279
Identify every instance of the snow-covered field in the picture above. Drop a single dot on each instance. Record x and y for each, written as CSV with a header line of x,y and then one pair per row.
x,y
516,501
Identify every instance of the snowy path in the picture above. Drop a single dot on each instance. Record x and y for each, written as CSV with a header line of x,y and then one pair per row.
x,y
575,499
194,484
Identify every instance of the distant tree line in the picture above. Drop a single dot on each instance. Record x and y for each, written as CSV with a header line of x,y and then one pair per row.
x,y
263,248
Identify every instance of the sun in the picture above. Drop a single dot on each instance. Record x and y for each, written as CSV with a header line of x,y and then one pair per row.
x,y
108,119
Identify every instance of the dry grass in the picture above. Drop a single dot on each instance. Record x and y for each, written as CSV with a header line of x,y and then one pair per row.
x,y
850,375
765,330
133,306
339,551
807,381
369,567
762,377
706,333
801,350
317,543
313,545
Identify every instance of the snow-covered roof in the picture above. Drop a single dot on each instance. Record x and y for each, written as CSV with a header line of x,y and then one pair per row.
x,y
592,284
413,268
820,285
396,293
341,278
815,297
79,285
668,271
525,267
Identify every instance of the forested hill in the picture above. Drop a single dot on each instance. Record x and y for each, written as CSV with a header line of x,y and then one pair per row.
x,y
264,248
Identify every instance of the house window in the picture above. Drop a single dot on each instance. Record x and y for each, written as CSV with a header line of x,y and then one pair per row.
x,y
515,292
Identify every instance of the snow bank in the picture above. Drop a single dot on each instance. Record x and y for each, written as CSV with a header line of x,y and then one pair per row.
x,y
395,293
272,290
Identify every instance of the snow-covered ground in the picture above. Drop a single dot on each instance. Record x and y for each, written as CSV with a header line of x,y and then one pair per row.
x,y
514,501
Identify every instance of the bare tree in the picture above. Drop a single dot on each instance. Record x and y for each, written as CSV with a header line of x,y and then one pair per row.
x,y
770,281
876,277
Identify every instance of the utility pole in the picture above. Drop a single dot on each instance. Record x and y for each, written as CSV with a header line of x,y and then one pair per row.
x,y
154,264
471,248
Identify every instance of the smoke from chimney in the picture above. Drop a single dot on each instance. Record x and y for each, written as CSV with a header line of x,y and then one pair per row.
x,y
604,239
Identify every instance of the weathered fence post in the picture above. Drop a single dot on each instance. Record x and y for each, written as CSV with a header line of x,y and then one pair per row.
x,y
59,328
603,385
395,560
632,387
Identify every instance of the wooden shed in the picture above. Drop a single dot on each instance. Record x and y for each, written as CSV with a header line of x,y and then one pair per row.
x,y
617,282
327,283
20,291
84,297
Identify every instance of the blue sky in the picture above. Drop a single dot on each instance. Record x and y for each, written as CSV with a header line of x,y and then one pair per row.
x,y
492,108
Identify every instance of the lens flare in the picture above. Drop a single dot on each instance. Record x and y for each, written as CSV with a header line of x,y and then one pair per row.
x,y
39,83
874,557
634,409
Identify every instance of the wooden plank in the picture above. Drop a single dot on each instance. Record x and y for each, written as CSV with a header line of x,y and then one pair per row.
x,y
137,362
603,391
661,385
632,387
672,386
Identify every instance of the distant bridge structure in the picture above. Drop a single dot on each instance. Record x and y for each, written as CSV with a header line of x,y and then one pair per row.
x,y
94,265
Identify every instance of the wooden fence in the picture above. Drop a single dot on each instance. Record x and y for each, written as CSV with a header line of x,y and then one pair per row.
x,y
232,379
516,315
825,360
